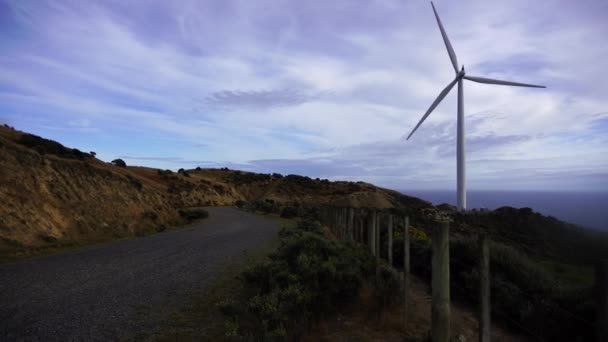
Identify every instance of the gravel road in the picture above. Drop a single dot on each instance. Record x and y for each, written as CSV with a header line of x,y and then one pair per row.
x,y
95,293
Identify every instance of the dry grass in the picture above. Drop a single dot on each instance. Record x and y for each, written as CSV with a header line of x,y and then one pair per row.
x,y
50,202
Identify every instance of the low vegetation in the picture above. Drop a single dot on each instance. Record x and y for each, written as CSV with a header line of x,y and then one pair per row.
x,y
46,146
309,277
524,294
191,214
119,162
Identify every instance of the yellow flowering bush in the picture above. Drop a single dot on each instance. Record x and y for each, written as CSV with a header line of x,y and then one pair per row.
x,y
415,234
418,234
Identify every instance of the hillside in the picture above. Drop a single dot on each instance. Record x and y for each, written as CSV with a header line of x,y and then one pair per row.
x,y
53,195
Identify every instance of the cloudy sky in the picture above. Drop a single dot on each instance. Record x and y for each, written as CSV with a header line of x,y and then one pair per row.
x,y
322,88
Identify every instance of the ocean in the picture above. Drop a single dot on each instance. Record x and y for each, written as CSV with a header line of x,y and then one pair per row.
x,y
589,209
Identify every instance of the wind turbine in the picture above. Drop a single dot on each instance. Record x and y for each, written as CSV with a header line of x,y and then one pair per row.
x,y
460,75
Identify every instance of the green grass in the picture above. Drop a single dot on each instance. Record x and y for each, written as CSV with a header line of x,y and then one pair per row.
x,y
281,222
573,275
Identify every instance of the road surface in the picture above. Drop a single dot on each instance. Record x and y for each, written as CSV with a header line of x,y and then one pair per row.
x,y
94,293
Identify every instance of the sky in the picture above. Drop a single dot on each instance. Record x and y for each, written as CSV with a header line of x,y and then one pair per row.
x,y
326,89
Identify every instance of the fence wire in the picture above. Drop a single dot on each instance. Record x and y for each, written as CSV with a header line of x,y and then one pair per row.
x,y
342,225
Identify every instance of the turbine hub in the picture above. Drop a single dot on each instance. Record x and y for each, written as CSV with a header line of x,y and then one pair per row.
x,y
461,73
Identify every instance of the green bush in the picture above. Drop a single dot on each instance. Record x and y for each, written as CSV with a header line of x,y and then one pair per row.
x,y
289,212
302,181
307,277
309,224
119,162
46,146
387,286
242,177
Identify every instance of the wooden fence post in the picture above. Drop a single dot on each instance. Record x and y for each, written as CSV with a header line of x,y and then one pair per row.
x,y
440,306
601,284
377,231
335,220
361,226
371,233
484,289
351,224
406,267
390,239
356,224
344,223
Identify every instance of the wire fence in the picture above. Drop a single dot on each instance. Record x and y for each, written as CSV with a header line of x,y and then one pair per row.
x,y
369,228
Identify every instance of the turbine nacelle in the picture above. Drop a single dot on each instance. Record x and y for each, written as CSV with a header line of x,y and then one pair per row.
x,y
461,73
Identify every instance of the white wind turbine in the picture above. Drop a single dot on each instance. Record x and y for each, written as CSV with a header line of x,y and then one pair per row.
x,y
460,75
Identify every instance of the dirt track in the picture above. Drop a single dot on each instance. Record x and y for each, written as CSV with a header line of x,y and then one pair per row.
x,y
121,288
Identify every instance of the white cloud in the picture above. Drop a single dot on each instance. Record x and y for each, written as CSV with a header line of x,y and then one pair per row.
x,y
293,81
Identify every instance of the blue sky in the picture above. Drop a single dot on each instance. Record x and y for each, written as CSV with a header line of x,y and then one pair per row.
x,y
322,88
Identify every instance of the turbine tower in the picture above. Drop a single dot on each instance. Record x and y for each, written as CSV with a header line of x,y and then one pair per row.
x,y
460,140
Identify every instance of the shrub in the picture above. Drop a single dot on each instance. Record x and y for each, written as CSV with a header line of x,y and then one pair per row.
x,y
307,277
239,177
46,146
289,212
240,204
151,215
387,286
266,207
192,214
308,224
302,181
165,173
119,162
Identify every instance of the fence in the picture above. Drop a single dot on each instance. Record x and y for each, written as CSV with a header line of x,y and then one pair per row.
x,y
369,227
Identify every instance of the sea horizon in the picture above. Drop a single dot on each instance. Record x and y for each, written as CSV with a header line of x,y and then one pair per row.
x,y
585,208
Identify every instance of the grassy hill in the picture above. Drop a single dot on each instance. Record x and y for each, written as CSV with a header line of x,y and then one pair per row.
x,y
53,195
56,196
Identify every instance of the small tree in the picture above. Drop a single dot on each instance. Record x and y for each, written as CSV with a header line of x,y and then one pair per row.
x,y
119,162
93,153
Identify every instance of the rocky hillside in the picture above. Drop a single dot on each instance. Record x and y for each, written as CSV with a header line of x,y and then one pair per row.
x,y
54,195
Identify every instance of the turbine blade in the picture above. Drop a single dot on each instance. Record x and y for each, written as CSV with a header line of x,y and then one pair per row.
x,y
508,83
448,45
443,93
